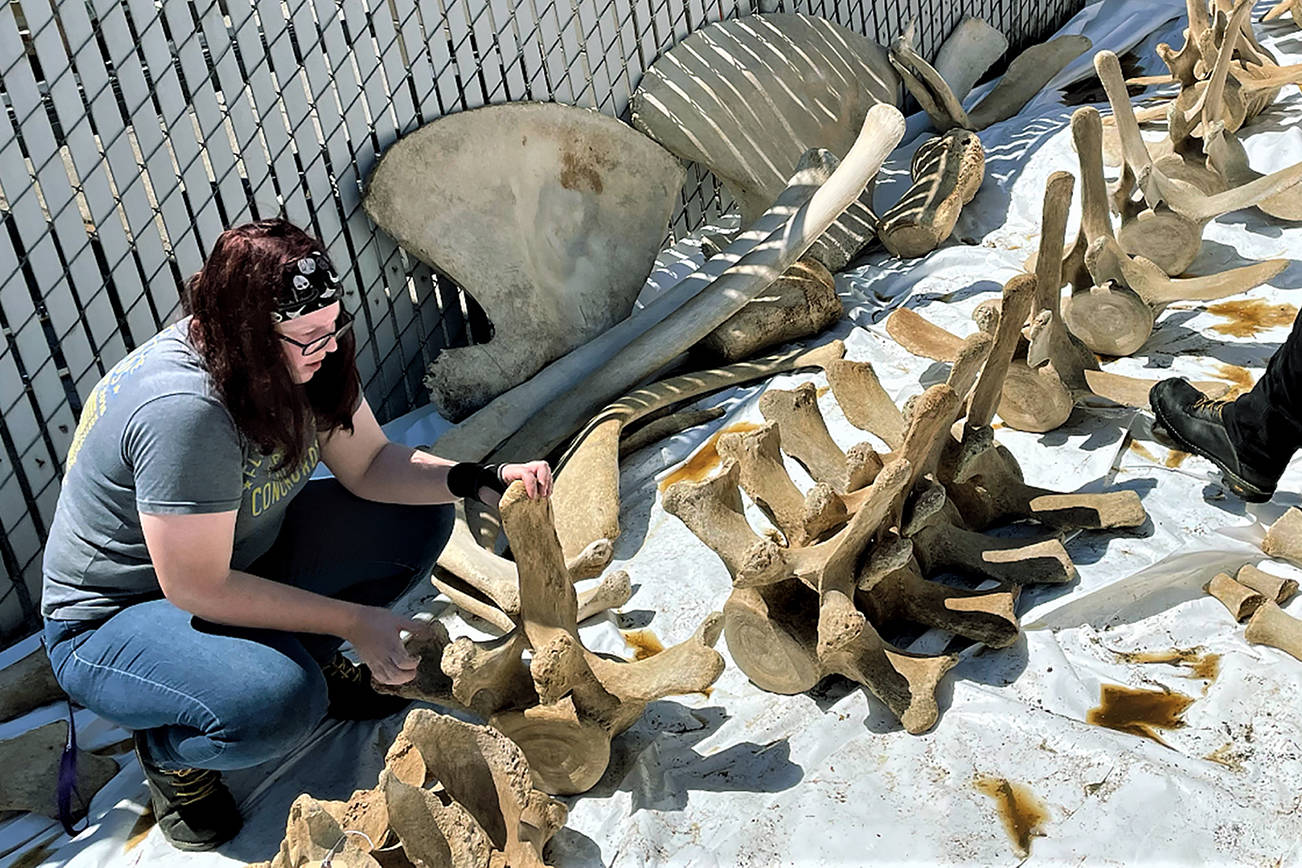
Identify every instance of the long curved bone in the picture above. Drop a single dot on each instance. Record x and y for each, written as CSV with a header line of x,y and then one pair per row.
x,y
665,426
586,491
947,172
881,132
1272,626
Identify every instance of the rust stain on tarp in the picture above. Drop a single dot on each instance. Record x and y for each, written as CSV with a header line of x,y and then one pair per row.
x,y
1019,809
645,643
1139,712
1240,380
1249,316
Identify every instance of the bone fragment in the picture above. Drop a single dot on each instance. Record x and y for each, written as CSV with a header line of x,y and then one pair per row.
x,y
667,426
31,764
1108,262
947,172
922,337
940,545
800,303
1240,600
1109,319
969,50
808,441
27,683
883,126
1273,587
1018,295
1272,626
313,830
906,682
771,635
763,477
864,402
1284,538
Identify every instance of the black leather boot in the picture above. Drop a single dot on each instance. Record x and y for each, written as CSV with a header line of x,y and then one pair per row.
x,y
1194,422
193,808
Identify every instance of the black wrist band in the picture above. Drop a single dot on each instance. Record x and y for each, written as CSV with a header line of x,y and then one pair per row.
x,y
468,477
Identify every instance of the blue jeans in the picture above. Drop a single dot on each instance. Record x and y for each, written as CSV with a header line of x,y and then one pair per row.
x,y
216,697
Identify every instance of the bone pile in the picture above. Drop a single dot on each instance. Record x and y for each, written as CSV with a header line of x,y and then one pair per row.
x,y
564,704
1052,369
1255,596
860,551
450,794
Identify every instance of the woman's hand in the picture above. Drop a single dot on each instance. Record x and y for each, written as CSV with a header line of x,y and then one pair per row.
x,y
376,640
536,475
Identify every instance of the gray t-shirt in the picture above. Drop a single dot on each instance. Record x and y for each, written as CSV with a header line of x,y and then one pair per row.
x,y
154,437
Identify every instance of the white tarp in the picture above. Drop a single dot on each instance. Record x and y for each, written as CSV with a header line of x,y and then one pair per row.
x,y
742,777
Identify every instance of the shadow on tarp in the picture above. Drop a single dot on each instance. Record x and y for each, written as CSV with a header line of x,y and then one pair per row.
x,y
656,762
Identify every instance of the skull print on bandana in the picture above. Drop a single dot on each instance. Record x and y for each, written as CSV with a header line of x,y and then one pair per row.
x,y
310,284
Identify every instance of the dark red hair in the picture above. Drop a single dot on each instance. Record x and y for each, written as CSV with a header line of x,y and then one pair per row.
x,y
231,299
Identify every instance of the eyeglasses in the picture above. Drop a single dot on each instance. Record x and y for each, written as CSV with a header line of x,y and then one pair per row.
x,y
343,326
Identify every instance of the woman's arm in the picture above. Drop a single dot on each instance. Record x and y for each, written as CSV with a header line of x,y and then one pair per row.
x,y
192,555
369,465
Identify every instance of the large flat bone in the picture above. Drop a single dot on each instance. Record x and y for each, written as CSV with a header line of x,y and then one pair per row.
x,y
713,98
27,683
1272,626
570,208
969,50
586,491
31,764
1284,538
475,438
947,172
881,132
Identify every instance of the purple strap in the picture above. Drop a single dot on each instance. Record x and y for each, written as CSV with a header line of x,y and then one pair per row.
x,y
68,779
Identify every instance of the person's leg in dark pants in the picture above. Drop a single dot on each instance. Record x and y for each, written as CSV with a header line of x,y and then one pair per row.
x,y
337,544
1252,438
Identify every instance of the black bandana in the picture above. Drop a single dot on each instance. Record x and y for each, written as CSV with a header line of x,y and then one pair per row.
x,y
310,284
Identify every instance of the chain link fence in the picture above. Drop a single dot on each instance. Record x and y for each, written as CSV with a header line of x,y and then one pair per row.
x,y
134,131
